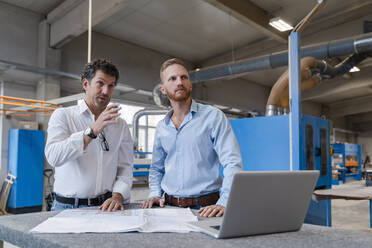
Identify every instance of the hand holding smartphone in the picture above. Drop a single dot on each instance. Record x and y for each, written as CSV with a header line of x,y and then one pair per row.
x,y
116,106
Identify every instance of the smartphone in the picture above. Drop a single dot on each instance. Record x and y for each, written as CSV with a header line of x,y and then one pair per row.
x,y
115,107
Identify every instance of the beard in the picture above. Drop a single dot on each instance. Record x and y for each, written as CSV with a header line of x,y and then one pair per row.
x,y
179,97
102,101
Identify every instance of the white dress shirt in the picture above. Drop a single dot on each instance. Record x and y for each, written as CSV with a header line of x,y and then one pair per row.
x,y
91,172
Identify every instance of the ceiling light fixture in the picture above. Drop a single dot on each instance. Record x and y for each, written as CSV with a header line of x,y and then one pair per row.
x,y
235,110
354,69
280,24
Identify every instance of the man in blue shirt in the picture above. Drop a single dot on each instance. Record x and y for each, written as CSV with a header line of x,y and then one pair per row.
x,y
191,143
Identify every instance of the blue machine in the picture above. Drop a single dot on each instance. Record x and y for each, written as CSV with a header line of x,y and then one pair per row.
x,y
348,158
141,169
26,162
264,145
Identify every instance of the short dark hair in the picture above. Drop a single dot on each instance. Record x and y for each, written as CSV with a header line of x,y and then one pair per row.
x,y
104,65
170,62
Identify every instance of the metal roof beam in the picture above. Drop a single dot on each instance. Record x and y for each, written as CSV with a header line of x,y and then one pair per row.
x,y
67,22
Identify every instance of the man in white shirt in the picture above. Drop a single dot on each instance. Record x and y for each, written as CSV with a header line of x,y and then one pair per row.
x,y
91,147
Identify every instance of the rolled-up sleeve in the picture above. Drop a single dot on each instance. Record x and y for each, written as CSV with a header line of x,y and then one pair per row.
x,y
124,175
227,149
62,145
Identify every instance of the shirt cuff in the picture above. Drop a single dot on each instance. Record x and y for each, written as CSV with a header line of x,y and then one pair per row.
x,y
123,189
155,194
222,201
77,141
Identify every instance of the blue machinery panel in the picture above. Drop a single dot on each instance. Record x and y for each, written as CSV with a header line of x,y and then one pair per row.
x,y
26,162
348,158
264,145
141,169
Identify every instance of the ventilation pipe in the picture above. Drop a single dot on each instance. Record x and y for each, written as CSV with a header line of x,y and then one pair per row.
x,y
136,118
312,71
354,45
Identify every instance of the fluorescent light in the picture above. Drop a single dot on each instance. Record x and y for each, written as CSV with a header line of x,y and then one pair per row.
x,y
280,24
124,88
235,110
221,106
144,92
354,69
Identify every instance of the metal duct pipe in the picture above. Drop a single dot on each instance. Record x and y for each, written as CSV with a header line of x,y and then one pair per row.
x,y
280,88
358,44
327,71
138,115
39,70
36,69
312,71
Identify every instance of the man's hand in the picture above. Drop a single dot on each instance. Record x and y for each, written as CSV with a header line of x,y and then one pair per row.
x,y
153,200
114,203
211,211
107,117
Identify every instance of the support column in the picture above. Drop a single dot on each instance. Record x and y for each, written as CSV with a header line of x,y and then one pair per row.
x,y
3,157
48,87
294,100
370,213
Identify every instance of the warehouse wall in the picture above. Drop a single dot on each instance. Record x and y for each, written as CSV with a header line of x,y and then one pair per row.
x,y
366,144
19,34
18,43
139,68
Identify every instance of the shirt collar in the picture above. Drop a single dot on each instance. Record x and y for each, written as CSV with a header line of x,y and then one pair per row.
x,y
193,109
83,107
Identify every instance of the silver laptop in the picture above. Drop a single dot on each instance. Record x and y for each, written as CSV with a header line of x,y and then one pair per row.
x,y
263,202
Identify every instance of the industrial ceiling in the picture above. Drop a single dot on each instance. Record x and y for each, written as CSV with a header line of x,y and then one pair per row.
x,y
211,32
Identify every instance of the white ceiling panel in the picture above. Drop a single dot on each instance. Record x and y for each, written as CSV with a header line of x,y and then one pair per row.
x,y
294,11
172,44
352,94
119,16
169,10
212,25
131,27
38,6
265,77
192,30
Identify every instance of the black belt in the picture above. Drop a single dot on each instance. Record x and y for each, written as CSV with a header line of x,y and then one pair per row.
x,y
88,201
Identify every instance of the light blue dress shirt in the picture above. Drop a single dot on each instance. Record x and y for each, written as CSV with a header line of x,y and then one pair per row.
x,y
186,162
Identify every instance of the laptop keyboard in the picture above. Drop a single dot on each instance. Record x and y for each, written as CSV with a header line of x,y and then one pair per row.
x,y
216,227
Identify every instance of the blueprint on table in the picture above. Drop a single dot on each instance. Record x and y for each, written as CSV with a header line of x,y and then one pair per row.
x,y
96,221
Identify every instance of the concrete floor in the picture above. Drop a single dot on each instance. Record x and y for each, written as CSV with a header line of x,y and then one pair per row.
x,y
351,214
346,214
